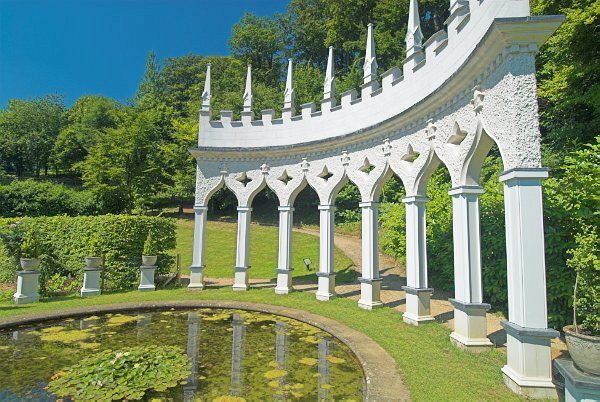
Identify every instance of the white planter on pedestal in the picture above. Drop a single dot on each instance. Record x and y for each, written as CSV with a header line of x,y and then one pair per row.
x,y
91,281
27,287
147,278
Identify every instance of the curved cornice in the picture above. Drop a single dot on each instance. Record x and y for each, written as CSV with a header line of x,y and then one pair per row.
x,y
405,102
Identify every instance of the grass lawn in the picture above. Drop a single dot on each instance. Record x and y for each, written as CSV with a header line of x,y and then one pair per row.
x,y
432,368
264,243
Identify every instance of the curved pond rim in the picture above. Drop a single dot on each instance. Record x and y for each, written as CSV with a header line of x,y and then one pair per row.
x,y
379,368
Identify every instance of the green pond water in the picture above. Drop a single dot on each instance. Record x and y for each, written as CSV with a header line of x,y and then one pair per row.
x,y
231,355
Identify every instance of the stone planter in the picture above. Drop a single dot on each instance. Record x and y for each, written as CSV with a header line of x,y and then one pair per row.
x,y
149,260
584,350
30,264
93,262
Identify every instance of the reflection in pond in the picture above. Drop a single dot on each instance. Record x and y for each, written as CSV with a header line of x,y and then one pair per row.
x,y
247,355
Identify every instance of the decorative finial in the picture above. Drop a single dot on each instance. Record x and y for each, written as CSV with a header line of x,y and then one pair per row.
x,y
248,91
264,168
288,95
478,97
414,36
206,94
431,129
370,66
329,86
345,158
387,147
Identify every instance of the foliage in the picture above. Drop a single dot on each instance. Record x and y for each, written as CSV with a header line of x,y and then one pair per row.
x,y
585,260
126,374
64,243
151,247
569,74
30,245
28,129
36,198
94,246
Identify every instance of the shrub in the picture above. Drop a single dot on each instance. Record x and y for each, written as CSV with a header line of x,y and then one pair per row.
x,y
37,198
150,245
585,261
65,242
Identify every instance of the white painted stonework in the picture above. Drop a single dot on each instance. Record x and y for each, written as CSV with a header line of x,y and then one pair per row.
x,y
457,94
147,278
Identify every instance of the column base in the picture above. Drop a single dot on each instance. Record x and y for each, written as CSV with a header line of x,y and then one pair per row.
x,y
326,286
370,293
470,326
147,278
196,277
284,281
89,292
528,371
27,287
240,280
417,305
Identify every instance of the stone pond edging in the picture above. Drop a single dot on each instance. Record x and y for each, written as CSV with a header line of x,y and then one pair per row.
x,y
380,369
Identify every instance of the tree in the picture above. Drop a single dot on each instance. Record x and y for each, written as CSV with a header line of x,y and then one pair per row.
x,y
28,129
152,88
260,42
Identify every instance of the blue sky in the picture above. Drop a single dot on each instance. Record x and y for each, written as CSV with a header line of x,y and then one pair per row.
x,y
77,47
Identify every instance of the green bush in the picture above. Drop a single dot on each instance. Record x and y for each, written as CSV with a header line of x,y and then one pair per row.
x,y
585,261
64,243
39,198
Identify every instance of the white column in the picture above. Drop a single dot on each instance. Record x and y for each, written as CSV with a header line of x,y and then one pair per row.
x,y
370,282
240,281
91,282
147,278
284,265
470,326
417,293
197,267
528,369
326,274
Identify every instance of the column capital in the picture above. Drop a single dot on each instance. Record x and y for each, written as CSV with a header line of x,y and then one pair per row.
x,y
369,204
524,173
244,209
415,199
466,189
286,208
327,208
520,332
200,208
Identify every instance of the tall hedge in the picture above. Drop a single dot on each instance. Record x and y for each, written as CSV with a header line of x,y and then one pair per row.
x,y
65,242
43,198
571,201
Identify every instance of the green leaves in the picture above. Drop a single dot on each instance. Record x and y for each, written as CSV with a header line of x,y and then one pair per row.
x,y
124,374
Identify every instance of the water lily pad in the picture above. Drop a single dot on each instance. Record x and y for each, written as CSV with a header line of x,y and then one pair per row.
x,y
335,360
274,374
121,319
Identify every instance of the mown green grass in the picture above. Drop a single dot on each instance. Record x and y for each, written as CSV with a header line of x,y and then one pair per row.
x,y
264,243
432,368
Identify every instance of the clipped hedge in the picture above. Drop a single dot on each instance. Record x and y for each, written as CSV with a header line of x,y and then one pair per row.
x,y
65,242
43,198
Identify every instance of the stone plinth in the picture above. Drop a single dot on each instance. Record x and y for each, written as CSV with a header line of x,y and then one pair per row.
x,y
147,278
27,287
91,282
579,386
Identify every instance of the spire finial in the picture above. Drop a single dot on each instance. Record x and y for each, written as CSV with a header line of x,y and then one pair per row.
x,y
206,94
414,36
370,66
288,95
329,86
248,91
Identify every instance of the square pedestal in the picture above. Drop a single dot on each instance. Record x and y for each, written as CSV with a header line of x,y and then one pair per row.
x,y
326,286
196,277
470,326
91,282
240,279
370,293
284,281
579,385
147,278
418,310
27,287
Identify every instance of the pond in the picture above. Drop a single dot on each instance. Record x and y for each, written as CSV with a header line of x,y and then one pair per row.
x,y
199,354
